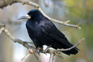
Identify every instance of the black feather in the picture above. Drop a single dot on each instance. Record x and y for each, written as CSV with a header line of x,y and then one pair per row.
x,y
43,32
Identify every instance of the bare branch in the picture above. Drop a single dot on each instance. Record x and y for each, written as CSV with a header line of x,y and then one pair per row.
x,y
54,20
56,52
23,59
1,30
33,50
4,3
38,59
24,43
60,22
38,7
59,50
5,30
51,57
72,46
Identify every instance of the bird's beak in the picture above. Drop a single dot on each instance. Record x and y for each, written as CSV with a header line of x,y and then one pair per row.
x,y
24,17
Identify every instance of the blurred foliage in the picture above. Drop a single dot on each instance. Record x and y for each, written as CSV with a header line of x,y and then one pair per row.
x,y
81,9
81,12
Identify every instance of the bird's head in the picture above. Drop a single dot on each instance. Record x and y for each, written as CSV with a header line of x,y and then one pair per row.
x,y
31,14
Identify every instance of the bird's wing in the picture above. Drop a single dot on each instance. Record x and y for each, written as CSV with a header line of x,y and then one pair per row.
x,y
50,29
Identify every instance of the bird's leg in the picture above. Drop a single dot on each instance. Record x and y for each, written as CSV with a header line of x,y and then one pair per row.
x,y
39,49
46,49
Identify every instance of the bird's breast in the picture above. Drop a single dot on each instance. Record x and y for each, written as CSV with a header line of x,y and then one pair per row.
x,y
33,28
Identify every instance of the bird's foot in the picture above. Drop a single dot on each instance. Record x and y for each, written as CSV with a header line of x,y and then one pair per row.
x,y
45,51
39,50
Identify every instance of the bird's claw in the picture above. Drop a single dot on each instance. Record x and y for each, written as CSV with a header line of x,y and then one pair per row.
x,y
45,51
38,50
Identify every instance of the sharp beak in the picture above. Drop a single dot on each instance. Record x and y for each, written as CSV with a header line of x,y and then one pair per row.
x,y
24,17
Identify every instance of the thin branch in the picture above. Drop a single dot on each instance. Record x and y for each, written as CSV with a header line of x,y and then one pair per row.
x,y
1,30
54,20
33,50
55,52
24,43
38,7
51,57
8,34
38,59
30,52
72,46
23,59
59,50
60,22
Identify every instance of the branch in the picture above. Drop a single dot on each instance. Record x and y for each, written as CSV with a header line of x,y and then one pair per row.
x,y
54,20
5,30
33,50
38,7
38,59
1,30
51,57
60,22
57,51
72,46
24,43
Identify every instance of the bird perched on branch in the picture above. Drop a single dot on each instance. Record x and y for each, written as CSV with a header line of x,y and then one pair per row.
x,y
43,32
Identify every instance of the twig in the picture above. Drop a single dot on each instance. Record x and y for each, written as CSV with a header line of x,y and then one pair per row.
x,y
38,7
60,22
25,57
1,30
55,52
30,52
38,59
51,57
54,20
16,40
8,34
25,44
72,46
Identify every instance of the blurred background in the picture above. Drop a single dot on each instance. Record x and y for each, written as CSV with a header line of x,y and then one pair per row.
x,y
77,11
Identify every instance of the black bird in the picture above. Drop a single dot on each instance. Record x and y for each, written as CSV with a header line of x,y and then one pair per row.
x,y
43,32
